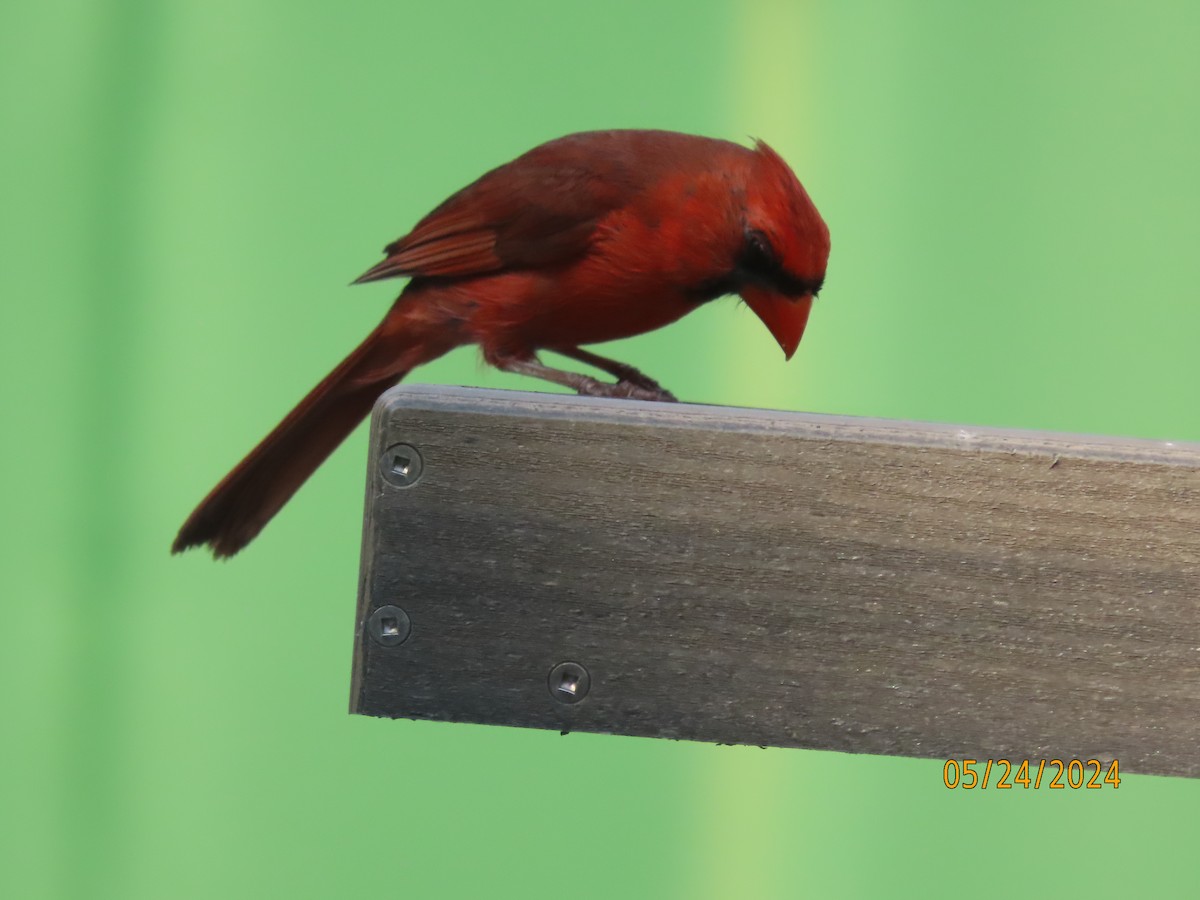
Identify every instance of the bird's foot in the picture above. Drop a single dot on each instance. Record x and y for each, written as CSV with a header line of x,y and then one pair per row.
x,y
633,385
647,389
628,375
630,381
625,390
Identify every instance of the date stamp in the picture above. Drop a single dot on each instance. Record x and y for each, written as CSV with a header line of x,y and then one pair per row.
x,y
1054,774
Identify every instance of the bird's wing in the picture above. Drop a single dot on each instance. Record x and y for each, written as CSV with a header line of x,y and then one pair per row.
x,y
539,210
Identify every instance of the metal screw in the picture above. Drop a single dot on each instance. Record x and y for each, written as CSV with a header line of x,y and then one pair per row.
x,y
389,626
401,465
569,682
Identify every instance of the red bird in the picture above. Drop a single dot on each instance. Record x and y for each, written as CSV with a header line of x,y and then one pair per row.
x,y
588,238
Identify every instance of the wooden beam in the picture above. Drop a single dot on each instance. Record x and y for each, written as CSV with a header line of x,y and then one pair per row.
x,y
746,576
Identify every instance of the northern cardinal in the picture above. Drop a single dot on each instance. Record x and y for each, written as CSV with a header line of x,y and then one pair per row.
x,y
588,238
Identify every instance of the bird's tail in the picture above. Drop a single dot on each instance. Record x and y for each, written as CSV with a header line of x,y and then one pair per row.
x,y
246,499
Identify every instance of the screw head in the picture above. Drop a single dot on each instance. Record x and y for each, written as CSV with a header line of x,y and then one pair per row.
x,y
389,626
569,682
401,465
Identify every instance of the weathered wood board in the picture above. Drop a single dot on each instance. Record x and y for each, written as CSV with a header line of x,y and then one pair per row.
x,y
746,576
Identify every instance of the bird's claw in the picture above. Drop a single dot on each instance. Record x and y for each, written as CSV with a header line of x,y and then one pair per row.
x,y
646,389
625,390
632,377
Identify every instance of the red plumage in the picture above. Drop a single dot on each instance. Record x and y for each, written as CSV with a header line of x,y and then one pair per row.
x,y
588,238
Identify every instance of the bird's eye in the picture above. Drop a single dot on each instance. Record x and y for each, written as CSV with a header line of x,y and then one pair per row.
x,y
759,256
759,263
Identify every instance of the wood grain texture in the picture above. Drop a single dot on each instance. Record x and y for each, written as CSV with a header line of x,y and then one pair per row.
x,y
757,577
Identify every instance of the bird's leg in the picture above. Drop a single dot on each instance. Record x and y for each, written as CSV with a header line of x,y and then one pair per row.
x,y
626,373
581,384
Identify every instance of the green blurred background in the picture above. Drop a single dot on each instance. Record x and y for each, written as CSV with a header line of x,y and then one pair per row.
x,y
187,187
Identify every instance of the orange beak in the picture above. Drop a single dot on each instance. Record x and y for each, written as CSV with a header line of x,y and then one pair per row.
x,y
784,317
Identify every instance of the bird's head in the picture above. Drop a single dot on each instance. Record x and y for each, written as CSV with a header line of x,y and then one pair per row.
x,y
784,250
